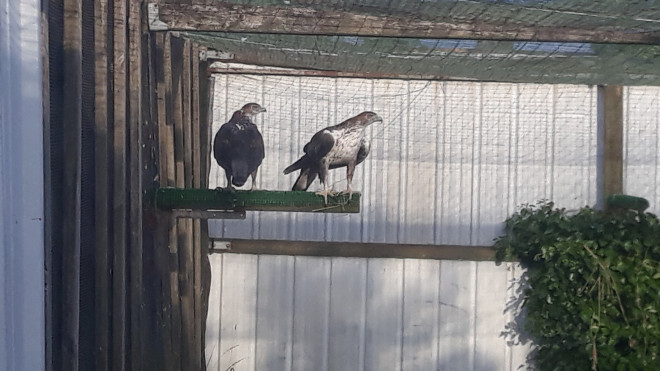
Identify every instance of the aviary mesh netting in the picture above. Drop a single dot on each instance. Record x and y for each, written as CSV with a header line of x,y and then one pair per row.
x,y
536,41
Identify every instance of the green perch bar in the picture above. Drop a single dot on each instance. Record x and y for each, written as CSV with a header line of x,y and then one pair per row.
x,y
627,202
260,200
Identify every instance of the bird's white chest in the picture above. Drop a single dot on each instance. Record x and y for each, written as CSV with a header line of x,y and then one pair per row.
x,y
347,145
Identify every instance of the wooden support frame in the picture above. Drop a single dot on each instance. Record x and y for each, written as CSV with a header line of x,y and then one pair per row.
x,y
610,111
356,250
250,69
227,17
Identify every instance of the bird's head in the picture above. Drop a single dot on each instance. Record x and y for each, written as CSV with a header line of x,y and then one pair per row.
x,y
368,118
252,109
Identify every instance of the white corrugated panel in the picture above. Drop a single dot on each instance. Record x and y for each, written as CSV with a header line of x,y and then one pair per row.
x,y
22,307
319,313
449,163
641,164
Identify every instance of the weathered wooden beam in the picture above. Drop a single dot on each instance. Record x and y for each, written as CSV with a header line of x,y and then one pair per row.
x,y
277,71
226,17
612,137
355,250
221,199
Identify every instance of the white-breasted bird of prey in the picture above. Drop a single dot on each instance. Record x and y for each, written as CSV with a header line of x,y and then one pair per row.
x,y
336,146
238,146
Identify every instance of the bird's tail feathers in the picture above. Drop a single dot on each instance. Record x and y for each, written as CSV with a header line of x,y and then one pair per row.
x,y
305,179
296,165
239,172
301,182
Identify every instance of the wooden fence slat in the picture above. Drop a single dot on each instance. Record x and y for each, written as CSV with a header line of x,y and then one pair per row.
x,y
198,295
71,128
102,104
174,169
135,61
207,85
186,273
186,110
119,186
204,265
152,278
161,66
159,63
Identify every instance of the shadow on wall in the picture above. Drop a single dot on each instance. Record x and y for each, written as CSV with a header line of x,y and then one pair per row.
x,y
309,313
350,228
514,331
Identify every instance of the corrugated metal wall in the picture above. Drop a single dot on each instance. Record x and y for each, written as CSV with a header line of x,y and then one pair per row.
x,y
641,156
449,163
22,307
313,313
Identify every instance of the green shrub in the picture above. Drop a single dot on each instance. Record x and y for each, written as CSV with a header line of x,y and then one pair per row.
x,y
594,286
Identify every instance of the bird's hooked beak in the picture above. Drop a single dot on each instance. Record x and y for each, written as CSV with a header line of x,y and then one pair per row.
x,y
377,119
261,109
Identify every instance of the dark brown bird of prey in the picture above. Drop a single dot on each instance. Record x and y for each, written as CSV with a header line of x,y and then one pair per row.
x,y
335,146
238,146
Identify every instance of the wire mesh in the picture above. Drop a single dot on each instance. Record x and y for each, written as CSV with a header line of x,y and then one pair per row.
x,y
449,162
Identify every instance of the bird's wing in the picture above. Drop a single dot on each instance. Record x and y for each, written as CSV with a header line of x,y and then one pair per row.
x,y
363,152
320,144
255,143
222,145
317,147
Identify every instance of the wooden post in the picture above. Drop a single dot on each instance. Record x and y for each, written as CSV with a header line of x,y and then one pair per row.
x,y
611,112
